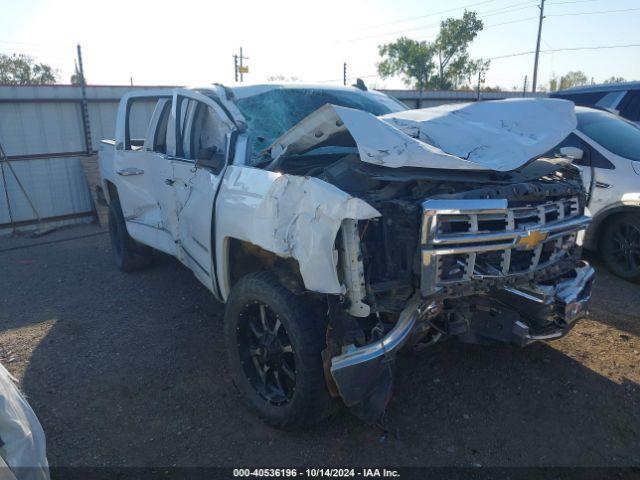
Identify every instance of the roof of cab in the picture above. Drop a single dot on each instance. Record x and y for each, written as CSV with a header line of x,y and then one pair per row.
x,y
243,90
603,87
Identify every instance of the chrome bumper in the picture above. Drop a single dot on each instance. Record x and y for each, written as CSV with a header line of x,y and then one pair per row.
x,y
358,370
565,302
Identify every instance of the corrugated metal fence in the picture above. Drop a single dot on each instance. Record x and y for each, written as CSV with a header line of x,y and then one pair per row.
x,y
42,133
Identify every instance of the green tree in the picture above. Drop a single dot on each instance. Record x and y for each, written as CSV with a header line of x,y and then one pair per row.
x,y
614,80
19,69
278,77
411,59
76,78
442,64
573,79
451,45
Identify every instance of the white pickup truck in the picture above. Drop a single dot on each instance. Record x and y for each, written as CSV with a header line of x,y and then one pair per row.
x,y
339,227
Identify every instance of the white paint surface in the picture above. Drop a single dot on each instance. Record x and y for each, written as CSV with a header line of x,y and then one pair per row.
x,y
288,215
23,437
496,135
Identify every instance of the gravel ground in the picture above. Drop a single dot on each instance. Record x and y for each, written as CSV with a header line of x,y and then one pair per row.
x,y
129,370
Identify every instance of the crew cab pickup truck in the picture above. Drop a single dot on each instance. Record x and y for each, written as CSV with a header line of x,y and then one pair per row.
x,y
338,227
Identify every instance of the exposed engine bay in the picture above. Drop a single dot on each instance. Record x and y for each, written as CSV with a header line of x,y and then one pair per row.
x,y
482,281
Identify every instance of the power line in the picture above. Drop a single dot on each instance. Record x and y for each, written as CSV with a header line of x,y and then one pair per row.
x,y
593,13
508,55
599,47
509,23
501,11
554,50
426,16
572,1
436,24
48,45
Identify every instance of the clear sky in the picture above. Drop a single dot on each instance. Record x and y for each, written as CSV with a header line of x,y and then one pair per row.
x,y
188,42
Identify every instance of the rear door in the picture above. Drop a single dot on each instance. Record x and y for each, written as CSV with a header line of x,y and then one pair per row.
x,y
199,152
135,168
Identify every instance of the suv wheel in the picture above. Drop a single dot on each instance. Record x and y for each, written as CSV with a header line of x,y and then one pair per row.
x,y
274,344
620,246
128,254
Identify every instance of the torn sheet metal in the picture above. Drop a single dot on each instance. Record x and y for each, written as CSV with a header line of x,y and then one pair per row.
x,y
22,438
291,216
494,135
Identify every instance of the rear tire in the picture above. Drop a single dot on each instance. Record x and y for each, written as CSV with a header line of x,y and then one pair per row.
x,y
274,344
128,254
620,246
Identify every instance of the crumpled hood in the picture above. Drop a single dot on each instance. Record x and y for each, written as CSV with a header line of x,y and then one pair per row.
x,y
499,135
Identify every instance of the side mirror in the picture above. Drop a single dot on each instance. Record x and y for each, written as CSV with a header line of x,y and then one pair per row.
x,y
573,153
211,158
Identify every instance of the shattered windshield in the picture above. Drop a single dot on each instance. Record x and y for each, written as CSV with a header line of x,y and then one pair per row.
x,y
272,113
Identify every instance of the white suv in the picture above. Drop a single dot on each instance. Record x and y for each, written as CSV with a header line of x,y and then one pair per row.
x,y
606,147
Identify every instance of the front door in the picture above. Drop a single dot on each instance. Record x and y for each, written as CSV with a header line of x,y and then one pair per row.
x,y
201,131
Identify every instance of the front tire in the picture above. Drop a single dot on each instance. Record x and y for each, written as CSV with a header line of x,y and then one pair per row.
x,y
128,254
620,246
274,345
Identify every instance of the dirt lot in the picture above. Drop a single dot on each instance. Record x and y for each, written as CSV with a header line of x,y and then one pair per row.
x,y
130,370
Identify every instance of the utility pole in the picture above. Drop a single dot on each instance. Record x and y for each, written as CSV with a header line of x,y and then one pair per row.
x,y
83,105
535,64
524,89
241,74
344,73
482,69
238,66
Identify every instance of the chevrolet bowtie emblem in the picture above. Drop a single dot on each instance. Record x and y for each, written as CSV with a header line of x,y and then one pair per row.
x,y
531,239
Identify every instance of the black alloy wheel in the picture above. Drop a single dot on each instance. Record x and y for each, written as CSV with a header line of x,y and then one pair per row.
x,y
266,353
621,246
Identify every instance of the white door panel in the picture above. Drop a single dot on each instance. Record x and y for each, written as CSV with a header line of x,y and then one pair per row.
x,y
135,180
136,172
194,190
199,124
610,186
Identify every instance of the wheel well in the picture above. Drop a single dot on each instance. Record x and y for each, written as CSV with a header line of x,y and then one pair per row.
x,y
245,258
603,223
112,191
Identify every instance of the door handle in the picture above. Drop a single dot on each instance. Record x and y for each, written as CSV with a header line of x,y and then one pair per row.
x,y
126,172
603,185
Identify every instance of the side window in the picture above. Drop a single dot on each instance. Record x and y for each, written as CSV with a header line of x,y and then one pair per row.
x,y
201,136
591,155
629,107
185,109
574,141
139,112
160,135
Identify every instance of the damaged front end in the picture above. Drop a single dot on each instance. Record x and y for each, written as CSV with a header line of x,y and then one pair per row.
x,y
486,272
474,240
